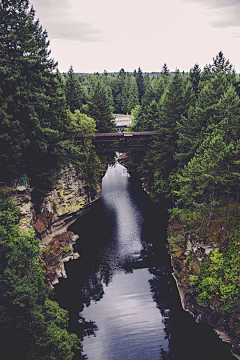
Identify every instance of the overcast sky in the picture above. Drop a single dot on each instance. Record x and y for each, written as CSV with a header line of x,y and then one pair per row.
x,y
97,35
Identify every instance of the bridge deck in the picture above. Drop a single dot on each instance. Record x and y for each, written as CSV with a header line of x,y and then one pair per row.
x,y
124,134
123,141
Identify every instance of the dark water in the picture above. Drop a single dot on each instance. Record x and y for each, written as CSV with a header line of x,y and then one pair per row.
x,y
121,292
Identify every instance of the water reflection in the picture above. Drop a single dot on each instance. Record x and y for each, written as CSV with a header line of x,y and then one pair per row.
x,y
124,264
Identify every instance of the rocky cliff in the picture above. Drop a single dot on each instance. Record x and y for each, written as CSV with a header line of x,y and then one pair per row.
x,y
186,257
69,199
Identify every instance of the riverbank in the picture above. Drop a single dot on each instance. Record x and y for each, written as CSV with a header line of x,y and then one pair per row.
x,y
70,199
187,257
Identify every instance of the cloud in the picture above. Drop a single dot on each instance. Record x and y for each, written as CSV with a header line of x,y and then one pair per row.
x,y
62,22
216,3
229,17
226,13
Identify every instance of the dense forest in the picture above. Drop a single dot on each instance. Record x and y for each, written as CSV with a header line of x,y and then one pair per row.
x,y
37,140
192,167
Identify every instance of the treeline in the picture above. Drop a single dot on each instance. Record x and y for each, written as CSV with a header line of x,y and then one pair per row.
x,y
124,90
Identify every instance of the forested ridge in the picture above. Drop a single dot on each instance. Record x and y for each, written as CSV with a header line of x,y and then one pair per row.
x,y
192,167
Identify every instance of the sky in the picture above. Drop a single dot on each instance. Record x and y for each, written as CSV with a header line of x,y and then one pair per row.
x,y
98,35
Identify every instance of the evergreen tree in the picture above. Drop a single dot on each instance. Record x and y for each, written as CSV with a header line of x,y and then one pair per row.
x,y
100,109
159,88
187,143
165,71
149,113
120,81
73,91
132,95
125,95
228,115
221,65
171,108
140,84
194,77
189,96
32,105
118,104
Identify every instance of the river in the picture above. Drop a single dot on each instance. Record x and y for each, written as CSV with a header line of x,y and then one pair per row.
x,y
120,292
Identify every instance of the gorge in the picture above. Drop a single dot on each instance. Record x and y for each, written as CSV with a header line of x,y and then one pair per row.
x,y
122,283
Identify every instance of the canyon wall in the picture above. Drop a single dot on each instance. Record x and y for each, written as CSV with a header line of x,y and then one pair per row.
x,y
69,199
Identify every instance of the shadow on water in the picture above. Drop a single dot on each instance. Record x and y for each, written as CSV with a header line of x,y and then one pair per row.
x,y
122,285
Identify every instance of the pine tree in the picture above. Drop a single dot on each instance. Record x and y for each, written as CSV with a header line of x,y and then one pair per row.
x,y
187,143
194,77
165,71
100,109
73,91
125,95
140,84
32,105
221,65
228,115
132,95
149,113
171,108
159,88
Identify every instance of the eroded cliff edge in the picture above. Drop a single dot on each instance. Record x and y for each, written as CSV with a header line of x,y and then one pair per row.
x,y
65,203
185,258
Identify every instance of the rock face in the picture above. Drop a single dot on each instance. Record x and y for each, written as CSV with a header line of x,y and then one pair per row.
x,y
68,200
226,327
184,255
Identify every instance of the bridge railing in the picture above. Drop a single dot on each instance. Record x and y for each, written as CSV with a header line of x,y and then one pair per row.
x,y
121,141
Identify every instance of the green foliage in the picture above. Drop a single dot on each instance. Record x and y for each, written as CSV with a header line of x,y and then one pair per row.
x,y
33,118
83,128
54,341
140,84
100,109
67,249
132,95
173,240
73,91
23,294
218,278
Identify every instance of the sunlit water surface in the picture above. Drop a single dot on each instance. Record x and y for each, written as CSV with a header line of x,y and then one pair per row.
x,y
121,291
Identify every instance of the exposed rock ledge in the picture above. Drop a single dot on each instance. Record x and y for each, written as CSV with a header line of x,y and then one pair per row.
x,y
68,200
227,328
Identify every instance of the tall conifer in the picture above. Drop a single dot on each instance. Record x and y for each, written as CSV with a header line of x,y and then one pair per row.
x,y
100,109
33,115
73,91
